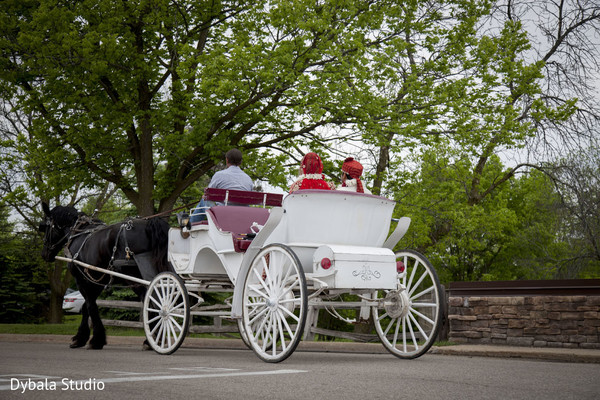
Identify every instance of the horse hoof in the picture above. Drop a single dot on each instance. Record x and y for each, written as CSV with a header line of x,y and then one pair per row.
x,y
92,345
146,346
76,343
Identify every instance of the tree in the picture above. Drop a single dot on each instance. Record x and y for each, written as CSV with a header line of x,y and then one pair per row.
x,y
149,95
23,294
17,179
576,180
538,247
511,234
510,83
500,81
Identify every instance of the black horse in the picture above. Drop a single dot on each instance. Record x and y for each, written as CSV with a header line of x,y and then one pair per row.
x,y
136,247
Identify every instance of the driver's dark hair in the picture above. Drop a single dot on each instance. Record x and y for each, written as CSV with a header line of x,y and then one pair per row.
x,y
234,157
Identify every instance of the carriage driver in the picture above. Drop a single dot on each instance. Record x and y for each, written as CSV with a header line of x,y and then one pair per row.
x,y
232,177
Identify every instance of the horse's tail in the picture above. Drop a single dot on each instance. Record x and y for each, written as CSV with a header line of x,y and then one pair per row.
x,y
157,230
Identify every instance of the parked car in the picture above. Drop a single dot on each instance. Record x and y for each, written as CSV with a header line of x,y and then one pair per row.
x,y
73,301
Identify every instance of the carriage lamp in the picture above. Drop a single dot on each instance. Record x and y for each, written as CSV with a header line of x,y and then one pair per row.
x,y
183,219
325,263
400,267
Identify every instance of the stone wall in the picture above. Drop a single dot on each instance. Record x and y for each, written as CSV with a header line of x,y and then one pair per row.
x,y
539,321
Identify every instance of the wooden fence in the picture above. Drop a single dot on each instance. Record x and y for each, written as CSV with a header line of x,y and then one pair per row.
x,y
463,320
217,327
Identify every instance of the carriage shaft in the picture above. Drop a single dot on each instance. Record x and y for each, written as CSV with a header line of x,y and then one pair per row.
x,y
106,271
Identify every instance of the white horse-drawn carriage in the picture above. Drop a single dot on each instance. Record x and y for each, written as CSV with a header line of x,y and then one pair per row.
x,y
315,250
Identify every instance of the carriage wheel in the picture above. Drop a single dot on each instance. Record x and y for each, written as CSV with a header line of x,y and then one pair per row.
x,y
243,334
408,319
274,303
166,313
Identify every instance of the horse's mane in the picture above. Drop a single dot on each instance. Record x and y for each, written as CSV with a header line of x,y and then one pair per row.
x,y
87,220
65,215
157,229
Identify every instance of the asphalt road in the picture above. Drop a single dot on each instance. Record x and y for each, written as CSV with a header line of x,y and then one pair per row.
x,y
30,370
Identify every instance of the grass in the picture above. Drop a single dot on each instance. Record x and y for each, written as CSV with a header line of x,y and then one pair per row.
x,y
443,343
71,323
68,327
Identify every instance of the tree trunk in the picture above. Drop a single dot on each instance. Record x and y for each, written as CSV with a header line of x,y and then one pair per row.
x,y
59,282
382,164
55,312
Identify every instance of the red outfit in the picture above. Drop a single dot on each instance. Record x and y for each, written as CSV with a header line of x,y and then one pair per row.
x,y
312,175
354,170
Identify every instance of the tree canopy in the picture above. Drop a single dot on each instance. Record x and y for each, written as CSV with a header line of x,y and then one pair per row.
x,y
149,95
514,233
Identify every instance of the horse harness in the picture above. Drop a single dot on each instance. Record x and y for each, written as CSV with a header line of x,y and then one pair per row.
x,y
83,220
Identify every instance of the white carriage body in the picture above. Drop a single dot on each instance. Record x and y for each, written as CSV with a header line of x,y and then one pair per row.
x,y
209,252
333,217
354,267
349,227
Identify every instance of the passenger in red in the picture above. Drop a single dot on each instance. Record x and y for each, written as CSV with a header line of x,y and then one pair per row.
x,y
312,175
351,172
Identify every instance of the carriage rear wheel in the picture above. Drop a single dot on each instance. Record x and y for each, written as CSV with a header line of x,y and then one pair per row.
x,y
408,319
275,303
166,313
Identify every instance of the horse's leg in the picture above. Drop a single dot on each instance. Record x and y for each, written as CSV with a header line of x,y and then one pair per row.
x,y
98,339
83,332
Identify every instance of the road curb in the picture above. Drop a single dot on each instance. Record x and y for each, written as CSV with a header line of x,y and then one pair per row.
x,y
547,354
542,353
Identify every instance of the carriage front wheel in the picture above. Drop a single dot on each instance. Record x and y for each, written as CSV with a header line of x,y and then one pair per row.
x,y
275,303
408,319
166,313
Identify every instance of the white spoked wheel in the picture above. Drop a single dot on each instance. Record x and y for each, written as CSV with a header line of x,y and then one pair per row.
x,y
166,313
407,320
275,303
243,334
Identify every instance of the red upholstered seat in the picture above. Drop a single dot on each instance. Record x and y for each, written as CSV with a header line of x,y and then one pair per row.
x,y
238,220
243,197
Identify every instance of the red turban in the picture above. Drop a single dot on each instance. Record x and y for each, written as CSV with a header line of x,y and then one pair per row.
x,y
354,170
312,164
312,168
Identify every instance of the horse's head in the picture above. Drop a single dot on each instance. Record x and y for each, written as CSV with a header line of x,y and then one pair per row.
x,y
56,227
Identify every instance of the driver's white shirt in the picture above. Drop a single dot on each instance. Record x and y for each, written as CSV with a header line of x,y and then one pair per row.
x,y
231,178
